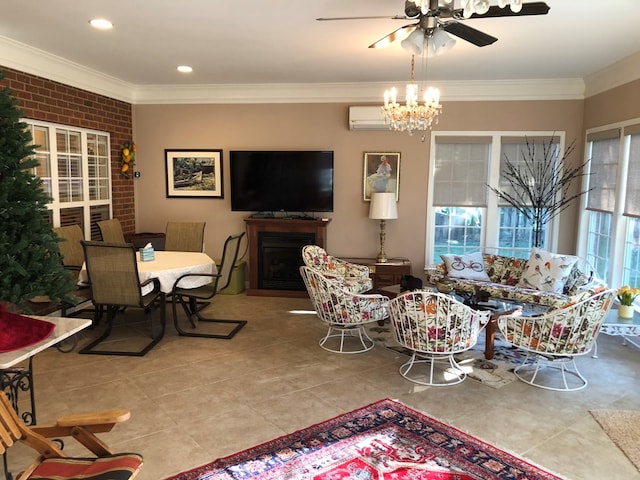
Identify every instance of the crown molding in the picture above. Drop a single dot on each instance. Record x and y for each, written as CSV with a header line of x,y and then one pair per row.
x,y
38,62
31,60
625,71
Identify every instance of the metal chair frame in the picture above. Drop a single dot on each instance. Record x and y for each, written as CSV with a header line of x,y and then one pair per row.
x,y
346,313
194,300
434,327
552,341
184,236
115,284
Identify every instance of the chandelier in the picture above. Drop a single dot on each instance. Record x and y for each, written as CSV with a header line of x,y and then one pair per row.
x,y
469,7
412,116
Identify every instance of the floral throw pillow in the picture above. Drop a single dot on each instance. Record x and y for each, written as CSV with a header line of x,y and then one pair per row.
x,y
469,266
546,271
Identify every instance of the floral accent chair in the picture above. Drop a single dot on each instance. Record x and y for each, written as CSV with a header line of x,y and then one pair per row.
x,y
346,313
553,339
434,327
356,277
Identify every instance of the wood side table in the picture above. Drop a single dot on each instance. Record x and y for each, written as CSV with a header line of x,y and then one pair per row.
x,y
384,274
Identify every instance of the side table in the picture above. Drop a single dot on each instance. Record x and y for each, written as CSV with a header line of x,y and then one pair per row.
x,y
384,274
620,327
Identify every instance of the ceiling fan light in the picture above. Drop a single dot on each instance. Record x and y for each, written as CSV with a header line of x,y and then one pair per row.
x,y
414,43
516,6
481,6
441,42
468,9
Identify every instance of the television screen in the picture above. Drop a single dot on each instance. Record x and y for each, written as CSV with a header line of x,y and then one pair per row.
x,y
281,181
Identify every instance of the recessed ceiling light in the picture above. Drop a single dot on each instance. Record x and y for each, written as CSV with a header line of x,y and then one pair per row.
x,y
101,23
185,69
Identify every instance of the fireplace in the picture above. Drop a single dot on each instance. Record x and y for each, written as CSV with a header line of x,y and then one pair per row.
x,y
280,258
275,253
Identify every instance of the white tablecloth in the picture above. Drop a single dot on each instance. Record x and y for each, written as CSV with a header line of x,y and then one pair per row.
x,y
168,267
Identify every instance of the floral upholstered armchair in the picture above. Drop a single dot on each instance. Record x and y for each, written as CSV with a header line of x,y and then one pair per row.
x,y
346,313
356,277
433,327
553,339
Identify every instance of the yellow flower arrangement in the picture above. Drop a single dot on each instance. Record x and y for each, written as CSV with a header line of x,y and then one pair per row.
x,y
627,295
128,160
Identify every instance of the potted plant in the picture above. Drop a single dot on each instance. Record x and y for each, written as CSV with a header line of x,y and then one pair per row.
x,y
626,296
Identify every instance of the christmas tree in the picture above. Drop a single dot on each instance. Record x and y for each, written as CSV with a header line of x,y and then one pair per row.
x,y
30,260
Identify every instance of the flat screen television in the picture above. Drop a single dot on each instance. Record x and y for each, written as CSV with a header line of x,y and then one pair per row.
x,y
281,181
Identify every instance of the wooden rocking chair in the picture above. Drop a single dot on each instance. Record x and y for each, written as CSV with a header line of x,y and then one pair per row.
x,y
52,462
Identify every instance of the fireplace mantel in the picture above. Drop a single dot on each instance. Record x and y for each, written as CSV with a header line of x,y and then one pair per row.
x,y
256,226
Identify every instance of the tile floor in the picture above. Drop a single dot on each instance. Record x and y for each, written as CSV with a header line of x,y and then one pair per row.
x,y
193,400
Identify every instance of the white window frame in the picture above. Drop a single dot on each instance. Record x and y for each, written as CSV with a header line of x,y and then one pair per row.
x,y
490,227
620,223
56,206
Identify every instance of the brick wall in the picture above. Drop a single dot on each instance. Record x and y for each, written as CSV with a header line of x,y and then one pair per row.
x,y
49,101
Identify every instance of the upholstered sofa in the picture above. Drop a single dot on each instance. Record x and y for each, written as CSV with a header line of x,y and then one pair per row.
x,y
546,279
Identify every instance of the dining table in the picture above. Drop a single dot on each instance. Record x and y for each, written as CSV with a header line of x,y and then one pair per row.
x,y
167,267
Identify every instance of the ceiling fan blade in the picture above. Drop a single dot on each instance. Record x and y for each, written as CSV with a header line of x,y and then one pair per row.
x,y
399,34
395,17
533,8
468,33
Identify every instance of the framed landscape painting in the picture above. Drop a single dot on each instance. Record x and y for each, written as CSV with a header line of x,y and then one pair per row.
x,y
194,173
381,173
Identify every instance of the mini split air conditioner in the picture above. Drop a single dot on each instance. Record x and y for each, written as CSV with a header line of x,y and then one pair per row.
x,y
367,118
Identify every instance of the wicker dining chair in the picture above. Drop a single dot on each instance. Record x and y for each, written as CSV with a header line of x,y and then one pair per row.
x,y
184,236
113,275
52,462
193,300
111,231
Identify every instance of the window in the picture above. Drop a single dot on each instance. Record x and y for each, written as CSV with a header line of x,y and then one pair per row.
x,y
463,214
75,171
611,239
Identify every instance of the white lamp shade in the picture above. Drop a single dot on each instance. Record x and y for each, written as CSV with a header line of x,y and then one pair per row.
x,y
383,206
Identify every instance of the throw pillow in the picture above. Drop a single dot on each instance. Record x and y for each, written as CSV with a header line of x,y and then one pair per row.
x,y
469,266
546,271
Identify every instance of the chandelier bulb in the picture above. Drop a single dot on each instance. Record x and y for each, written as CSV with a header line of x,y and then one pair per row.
x,y
516,6
503,3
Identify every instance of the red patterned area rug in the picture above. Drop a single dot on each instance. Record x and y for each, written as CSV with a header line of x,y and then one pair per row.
x,y
382,441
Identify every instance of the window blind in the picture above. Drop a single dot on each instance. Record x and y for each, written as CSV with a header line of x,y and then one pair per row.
x,y
461,169
605,151
632,199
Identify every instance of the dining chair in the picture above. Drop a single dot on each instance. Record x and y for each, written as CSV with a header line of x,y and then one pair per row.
x,y
184,236
72,253
192,299
111,231
433,327
113,275
52,462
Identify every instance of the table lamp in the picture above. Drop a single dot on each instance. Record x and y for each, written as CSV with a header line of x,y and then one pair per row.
x,y
383,207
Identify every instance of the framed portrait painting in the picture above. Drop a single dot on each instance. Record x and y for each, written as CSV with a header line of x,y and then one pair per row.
x,y
381,173
194,173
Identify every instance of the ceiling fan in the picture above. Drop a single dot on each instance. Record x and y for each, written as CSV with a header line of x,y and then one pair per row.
x,y
436,15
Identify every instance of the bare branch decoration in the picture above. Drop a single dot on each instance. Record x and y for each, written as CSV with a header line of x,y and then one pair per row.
x,y
540,185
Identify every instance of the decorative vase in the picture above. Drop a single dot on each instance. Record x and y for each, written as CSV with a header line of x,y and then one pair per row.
x,y
625,311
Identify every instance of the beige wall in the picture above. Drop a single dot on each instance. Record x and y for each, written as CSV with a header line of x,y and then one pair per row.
x,y
323,126
615,105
